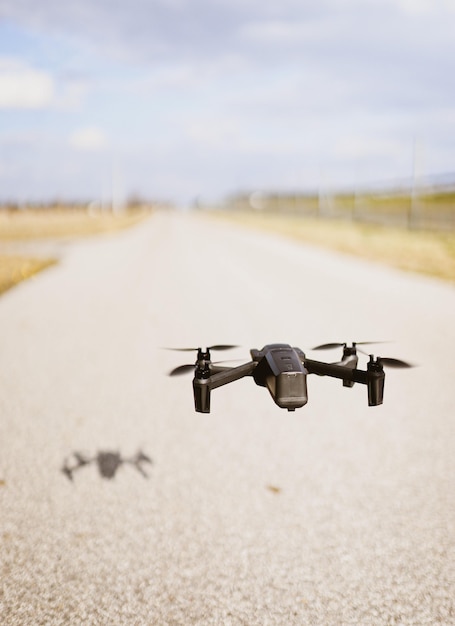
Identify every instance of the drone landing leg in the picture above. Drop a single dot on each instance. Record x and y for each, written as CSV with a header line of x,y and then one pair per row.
x,y
201,390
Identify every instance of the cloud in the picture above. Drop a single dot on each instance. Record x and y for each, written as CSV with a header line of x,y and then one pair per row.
x,y
289,32
359,147
90,139
23,86
222,93
425,7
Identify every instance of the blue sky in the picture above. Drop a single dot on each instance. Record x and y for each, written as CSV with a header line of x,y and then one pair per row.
x,y
176,100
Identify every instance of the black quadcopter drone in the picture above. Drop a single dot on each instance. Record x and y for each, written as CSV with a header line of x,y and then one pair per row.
x,y
283,370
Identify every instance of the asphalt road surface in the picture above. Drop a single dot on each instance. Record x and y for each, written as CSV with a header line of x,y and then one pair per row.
x,y
337,513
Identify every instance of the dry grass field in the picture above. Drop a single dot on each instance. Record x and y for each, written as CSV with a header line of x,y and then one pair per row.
x,y
425,252
14,269
56,223
64,222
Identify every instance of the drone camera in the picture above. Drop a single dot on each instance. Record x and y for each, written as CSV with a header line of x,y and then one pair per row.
x,y
290,390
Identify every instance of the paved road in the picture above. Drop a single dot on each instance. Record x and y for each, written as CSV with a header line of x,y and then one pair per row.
x,y
335,514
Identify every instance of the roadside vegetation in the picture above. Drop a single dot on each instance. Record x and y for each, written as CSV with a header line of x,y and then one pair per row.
x,y
423,251
14,269
64,222
52,223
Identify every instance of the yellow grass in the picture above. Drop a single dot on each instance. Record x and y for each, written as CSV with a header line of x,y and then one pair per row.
x,y
14,269
66,223
39,224
428,253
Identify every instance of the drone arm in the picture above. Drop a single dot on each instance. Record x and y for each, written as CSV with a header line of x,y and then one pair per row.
x,y
81,460
231,374
335,370
137,460
350,360
222,376
373,377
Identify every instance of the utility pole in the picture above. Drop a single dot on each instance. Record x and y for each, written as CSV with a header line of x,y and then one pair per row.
x,y
414,204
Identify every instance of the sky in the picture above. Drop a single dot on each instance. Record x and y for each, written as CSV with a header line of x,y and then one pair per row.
x,y
195,100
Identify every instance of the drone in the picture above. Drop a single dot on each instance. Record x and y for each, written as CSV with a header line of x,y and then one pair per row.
x,y
283,370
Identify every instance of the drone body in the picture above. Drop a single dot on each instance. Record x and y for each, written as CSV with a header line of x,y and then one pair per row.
x,y
283,370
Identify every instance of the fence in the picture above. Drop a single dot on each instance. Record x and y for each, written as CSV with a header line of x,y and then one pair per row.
x,y
427,210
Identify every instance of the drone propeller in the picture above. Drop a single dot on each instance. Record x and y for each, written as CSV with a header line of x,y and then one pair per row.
x,y
397,363
331,346
216,347
388,361
181,369
187,367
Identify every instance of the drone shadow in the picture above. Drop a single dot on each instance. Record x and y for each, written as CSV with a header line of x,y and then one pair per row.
x,y
107,462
